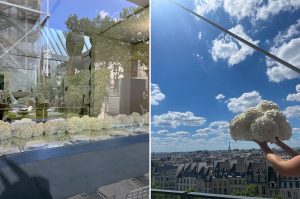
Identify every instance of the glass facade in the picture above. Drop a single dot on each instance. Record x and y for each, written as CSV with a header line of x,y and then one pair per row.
x,y
87,80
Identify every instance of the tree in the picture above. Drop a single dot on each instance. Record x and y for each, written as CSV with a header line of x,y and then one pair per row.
x,y
249,191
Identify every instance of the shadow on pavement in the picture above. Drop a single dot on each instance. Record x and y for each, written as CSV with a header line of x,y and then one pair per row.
x,y
26,187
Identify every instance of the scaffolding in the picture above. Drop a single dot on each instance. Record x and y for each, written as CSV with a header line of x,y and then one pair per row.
x,y
20,41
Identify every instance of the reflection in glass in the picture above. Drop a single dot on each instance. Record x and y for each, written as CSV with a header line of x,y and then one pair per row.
x,y
85,81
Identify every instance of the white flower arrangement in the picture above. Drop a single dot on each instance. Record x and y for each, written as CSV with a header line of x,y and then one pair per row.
x,y
38,129
137,119
262,123
55,126
23,128
5,130
121,120
108,122
75,125
95,124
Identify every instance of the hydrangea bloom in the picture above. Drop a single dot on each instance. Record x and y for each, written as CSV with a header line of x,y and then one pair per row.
x,y
23,128
262,123
5,130
75,125
137,119
38,129
55,126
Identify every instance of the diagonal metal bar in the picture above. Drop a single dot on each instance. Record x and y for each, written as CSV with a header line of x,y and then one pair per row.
x,y
23,8
281,61
32,29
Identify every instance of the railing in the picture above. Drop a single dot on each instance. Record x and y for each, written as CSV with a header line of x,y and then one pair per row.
x,y
191,195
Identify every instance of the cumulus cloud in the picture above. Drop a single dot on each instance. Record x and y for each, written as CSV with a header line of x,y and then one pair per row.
x,y
203,7
246,100
231,50
214,128
294,96
296,130
274,7
219,124
239,9
220,97
162,132
291,32
175,119
103,14
292,111
156,95
289,51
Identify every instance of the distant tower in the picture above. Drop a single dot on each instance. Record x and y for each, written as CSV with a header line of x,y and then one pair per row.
x,y
229,148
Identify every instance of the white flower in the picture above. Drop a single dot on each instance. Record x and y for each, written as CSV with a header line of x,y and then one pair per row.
x,y
55,126
23,128
5,130
38,129
262,123
137,119
75,125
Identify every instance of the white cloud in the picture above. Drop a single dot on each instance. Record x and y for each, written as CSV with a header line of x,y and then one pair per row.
x,y
296,130
246,100
175,119
240,9
167,133
227,48
179,134
156,95
220,97
283,36
292,111
162,132
287,51
206,131
103,14
199,35
203,7
295,96
219,124
274,7
215,128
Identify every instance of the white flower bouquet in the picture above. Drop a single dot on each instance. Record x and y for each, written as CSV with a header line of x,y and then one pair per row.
x,y
261,123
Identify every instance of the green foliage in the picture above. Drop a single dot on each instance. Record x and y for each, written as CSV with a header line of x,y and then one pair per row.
x,y
126,12
249,191
100,81
88,27
78,86
190,189
277,196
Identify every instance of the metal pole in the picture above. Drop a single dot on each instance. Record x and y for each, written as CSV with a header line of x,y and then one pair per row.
x,y
22,7
281,61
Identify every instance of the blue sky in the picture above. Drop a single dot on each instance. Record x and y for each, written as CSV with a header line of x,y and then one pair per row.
x,y
61,9
193,63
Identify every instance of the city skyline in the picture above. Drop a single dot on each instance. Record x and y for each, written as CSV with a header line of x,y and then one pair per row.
x,y
212,77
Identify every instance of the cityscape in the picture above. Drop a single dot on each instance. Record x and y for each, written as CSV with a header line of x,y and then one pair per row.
x,y
227,172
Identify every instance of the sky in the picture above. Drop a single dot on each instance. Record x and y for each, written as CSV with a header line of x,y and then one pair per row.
x,y
202,78
61,9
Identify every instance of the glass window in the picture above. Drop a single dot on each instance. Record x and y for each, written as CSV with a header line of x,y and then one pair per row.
x,y
82,72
